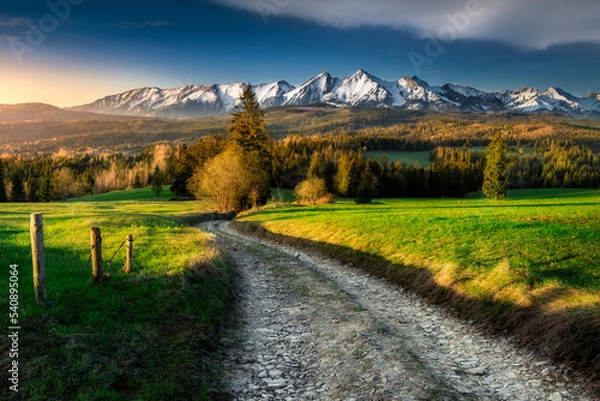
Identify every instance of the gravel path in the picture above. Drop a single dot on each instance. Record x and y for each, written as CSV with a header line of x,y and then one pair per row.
x,y
314,329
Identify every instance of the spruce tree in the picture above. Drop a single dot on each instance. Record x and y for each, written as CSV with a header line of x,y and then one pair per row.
x,y
248,130
184,170
17,193
157,181
46,186
495,174
248,124
3,197
367,187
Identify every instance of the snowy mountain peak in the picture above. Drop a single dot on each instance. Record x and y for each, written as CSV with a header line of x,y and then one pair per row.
x,y
312,91
362,89
324,74
362,75
556,93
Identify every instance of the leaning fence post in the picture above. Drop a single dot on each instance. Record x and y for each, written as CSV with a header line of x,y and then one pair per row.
x,y
96,240
129,259
37,253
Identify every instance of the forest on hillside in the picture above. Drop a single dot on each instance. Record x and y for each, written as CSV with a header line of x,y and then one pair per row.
x,y
547,159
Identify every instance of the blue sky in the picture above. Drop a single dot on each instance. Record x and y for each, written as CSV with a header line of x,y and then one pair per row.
x,y
92,48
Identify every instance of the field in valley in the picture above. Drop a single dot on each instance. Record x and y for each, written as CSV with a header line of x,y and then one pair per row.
x,y
144,335
529,266
410,158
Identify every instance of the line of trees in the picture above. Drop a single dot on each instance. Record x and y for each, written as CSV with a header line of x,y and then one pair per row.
x,y
62,176
344,170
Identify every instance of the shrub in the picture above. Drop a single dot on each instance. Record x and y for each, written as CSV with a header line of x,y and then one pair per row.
x,y
313,191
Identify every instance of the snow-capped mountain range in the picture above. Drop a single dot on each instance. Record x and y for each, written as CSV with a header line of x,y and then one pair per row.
x,y
360,90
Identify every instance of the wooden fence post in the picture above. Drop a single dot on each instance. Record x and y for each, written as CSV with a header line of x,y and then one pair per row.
x,y
96,240
39,263
129,259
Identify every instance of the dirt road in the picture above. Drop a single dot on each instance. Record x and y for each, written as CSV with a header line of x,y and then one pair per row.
x,y
313,329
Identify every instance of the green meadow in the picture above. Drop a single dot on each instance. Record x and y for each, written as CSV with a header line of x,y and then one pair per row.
x,y
530,265
545,237
145,335
420,158
128,195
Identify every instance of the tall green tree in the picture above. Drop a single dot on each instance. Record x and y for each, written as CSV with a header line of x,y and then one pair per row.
x,y
248,127
249,132
367,187
347,177
17,193
46,186
3,197
495,173
157,181
184,169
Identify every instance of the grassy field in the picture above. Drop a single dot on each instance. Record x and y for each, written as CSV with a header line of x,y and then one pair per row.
x,y
142,336
531,265
410,158
421,158
128,195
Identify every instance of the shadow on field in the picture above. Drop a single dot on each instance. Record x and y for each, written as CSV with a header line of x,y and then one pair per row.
x,y
570,335
134,336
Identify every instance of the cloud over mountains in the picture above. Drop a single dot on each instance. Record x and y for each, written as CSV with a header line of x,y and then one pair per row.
x,y
524,24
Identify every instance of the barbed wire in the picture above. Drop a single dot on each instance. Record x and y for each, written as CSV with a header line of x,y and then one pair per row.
x,y
111,259
115,254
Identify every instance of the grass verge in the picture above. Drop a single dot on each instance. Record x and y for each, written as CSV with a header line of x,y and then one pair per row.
x,y
528,268
148,335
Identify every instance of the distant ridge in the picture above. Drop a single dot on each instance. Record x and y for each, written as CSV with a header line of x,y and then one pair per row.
x,y
360,90
45,112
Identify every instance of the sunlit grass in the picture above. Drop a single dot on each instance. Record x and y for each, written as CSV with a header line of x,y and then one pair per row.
x,y
506,250
145,335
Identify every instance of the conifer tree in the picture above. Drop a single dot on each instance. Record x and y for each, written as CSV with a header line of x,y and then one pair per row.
x,y
157,181
495,174
367,187
3,197
46,186
184,169
249,132
248,123
17,193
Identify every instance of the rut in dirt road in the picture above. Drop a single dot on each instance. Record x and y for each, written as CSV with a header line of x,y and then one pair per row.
x,y
313,329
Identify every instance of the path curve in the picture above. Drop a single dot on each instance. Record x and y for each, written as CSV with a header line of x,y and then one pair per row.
x,y
314,329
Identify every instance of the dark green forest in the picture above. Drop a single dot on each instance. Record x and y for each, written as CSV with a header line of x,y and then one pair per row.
x,y
553,161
